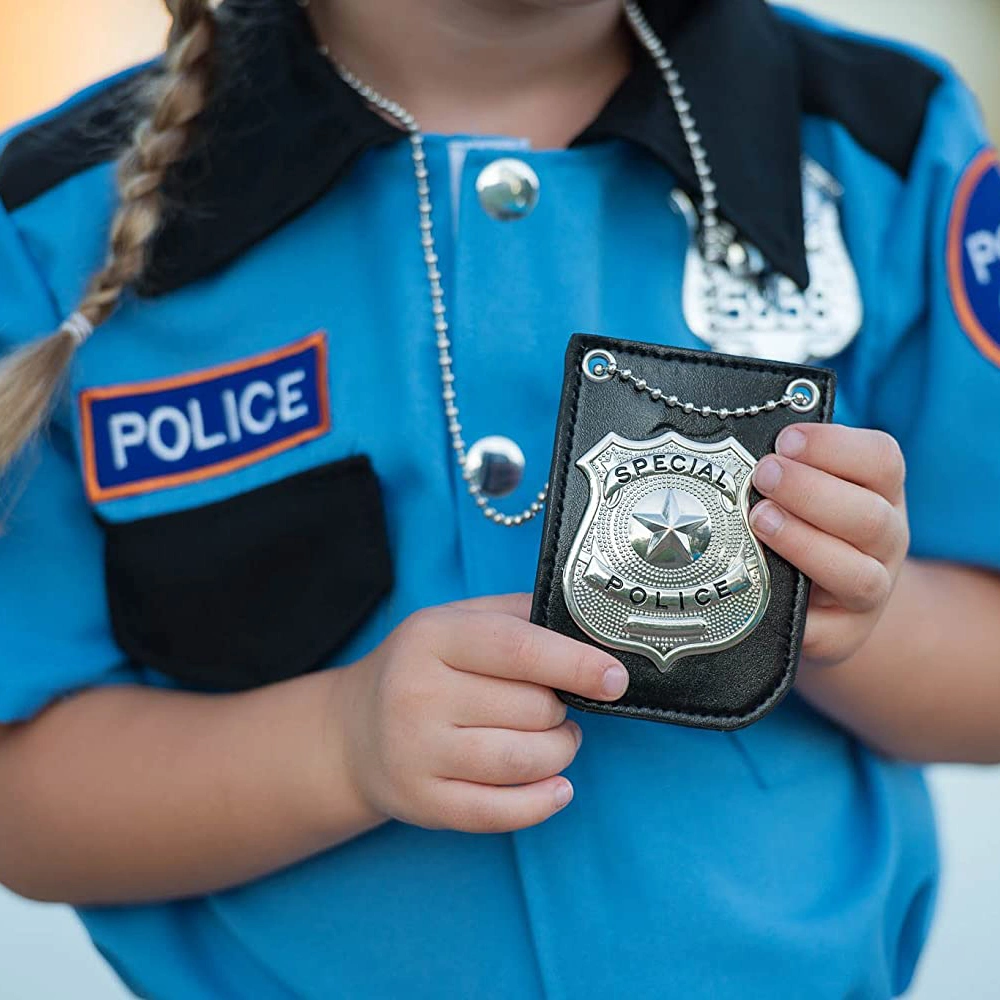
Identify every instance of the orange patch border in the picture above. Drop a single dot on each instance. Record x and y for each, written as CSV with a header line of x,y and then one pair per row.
x,y
99,494
975,330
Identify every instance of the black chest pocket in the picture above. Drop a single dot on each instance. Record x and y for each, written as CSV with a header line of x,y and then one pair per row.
x,y
254,589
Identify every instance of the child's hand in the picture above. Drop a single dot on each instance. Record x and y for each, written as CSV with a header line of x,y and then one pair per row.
x,y
837,511
453,722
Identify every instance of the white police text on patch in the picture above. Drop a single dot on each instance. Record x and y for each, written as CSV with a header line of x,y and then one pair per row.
x,y
984,251
131,429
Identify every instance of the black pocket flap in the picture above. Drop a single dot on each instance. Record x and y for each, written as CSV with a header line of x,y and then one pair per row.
x,y
254,589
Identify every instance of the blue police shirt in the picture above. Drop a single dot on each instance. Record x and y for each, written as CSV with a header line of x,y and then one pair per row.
x,y
282,330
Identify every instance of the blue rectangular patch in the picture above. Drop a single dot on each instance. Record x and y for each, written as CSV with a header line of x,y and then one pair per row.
x,y
168,432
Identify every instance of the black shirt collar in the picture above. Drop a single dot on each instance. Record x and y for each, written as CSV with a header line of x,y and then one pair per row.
x,y
282,128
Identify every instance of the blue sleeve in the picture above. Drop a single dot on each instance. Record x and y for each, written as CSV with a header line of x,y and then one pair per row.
x,y
54,633
936,382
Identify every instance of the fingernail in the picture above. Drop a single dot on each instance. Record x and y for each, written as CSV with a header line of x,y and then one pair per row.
x,y
767,475
791,442
767,519
615,682
564,794
577,733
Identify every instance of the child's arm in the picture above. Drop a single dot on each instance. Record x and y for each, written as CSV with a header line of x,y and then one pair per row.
x,y
905,654
130,794
926,685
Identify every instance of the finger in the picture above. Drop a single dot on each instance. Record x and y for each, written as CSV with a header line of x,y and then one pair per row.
x,y
829,636
858,515
871,459
505,757
857,581
494,703
503,646
819,598
475,808
518,605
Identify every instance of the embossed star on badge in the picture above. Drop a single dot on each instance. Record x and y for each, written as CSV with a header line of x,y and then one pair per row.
x,y
670,528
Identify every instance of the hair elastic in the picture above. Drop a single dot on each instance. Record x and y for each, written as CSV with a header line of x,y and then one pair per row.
x,y
78,327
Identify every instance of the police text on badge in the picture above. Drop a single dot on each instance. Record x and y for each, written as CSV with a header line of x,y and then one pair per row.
x,y
167,432
664,562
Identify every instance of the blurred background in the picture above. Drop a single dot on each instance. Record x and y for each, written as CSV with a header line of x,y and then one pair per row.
x,y
49,48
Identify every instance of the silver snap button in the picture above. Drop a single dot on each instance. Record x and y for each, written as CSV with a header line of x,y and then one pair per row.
x,y
496,465
507,189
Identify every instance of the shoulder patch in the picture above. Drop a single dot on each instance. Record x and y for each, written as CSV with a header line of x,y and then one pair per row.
x,y
974,253
879,93
89,130
162,433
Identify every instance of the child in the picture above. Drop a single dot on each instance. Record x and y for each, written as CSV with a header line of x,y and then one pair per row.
x,y
256,467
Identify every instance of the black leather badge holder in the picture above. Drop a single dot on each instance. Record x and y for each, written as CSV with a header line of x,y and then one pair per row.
x,y
647,550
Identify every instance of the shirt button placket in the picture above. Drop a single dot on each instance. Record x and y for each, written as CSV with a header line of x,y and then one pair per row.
x,y
494,259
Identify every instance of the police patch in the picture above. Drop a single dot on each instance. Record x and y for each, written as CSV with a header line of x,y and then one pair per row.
x,y
974,253
167,432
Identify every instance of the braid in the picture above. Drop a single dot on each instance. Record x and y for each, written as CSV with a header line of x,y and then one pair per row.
x,y
159,141
31,377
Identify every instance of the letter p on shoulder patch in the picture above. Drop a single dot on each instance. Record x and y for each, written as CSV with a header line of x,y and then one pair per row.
x,y
152,435
974,253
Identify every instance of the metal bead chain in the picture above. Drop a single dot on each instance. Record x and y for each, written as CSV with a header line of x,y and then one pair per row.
x,y
438,309
658,395
717,237
801,394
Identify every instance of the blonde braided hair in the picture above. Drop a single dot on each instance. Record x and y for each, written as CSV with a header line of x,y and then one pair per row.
x,y
30,378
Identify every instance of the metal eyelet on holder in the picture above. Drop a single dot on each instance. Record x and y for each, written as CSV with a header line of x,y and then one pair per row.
x,y
599,365
804,395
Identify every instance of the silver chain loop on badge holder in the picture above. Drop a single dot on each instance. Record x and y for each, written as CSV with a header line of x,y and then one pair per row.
x,y
716,239
801,395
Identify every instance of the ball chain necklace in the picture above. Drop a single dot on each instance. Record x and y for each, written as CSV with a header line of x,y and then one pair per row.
x,y
716,241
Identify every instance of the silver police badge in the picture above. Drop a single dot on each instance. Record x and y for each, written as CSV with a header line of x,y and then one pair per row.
x,y
664,562
740,307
